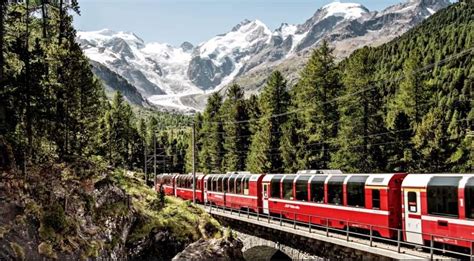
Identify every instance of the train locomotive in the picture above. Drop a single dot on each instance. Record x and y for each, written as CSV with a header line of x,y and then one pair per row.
x,y
421,207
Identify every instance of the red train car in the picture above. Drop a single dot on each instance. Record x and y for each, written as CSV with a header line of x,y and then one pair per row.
x,y
360,201
439,207
238,190
184,187
167,181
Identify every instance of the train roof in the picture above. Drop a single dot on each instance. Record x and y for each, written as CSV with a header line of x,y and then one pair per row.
x,y
378,179
421,180
319,171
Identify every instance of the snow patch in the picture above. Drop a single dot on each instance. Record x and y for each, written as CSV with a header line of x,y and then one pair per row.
x,y
346,10
170,101
244,37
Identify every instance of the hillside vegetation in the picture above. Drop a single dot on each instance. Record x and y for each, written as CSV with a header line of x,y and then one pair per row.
x,y
64,193
84,211
406,105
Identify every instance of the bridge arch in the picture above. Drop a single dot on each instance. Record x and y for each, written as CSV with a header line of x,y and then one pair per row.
x,y
256,248
265,253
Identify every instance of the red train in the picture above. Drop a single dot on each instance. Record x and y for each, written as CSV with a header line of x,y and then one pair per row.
x,y
438,207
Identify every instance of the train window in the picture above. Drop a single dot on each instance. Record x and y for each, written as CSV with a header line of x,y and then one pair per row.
x,y
335,185
232,184
317,189
238,184
442,194
214,184
287,187
301,187
412,202
225,184
375,199
469,198
246,184
209,180
219,184
356,191
275,186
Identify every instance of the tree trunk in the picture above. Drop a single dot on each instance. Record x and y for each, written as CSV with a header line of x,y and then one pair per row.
x,y
29,128
45,18
3,4
61,22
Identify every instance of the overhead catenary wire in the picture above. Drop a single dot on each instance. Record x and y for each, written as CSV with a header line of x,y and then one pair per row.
x,y
427,67
336,142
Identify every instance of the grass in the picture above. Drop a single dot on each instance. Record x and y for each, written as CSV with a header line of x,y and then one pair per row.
x,y
185,221
3,231
93,249
47,250
18,250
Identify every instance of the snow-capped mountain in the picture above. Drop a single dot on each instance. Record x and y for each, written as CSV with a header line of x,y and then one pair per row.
x,y
216,62
180,77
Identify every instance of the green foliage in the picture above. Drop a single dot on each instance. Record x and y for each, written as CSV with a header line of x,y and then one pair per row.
x,y
212,149
185,221
47,250
55,218
317,114
57,110
360,118
274,100
406,105
18,250
93,249
236,136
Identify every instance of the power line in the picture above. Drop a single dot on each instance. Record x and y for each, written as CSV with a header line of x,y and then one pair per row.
x,y
427,67
335,141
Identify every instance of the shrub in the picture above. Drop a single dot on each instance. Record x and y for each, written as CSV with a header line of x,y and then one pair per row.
x,y
46,250
19,252
55,218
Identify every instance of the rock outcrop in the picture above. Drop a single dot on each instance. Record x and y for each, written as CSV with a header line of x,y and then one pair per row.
x,y
215,249
83,211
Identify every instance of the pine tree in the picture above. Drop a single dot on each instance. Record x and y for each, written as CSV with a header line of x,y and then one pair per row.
x,y
119,121
253,107
211,151
289,142
236,128
264,153
317,110
198,135
405,111
358,140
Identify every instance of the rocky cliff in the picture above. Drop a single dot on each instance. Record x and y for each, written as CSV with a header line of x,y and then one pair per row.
x,y
85,210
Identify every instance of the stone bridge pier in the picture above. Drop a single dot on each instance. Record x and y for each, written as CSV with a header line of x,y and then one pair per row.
x,y
265,243
257,248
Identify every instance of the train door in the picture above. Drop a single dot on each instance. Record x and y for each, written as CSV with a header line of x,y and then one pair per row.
x,y
265,192
413,228
204,191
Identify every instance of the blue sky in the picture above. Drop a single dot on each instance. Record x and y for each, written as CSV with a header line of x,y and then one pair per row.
x,y
176,21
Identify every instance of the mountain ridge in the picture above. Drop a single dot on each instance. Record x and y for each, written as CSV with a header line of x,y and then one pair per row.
x,y
248,52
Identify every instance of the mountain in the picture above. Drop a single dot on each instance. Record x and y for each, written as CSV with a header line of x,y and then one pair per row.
x,y
114,82
180,78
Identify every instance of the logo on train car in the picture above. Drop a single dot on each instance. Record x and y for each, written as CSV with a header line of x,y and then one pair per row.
x,y
445,240
291,206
